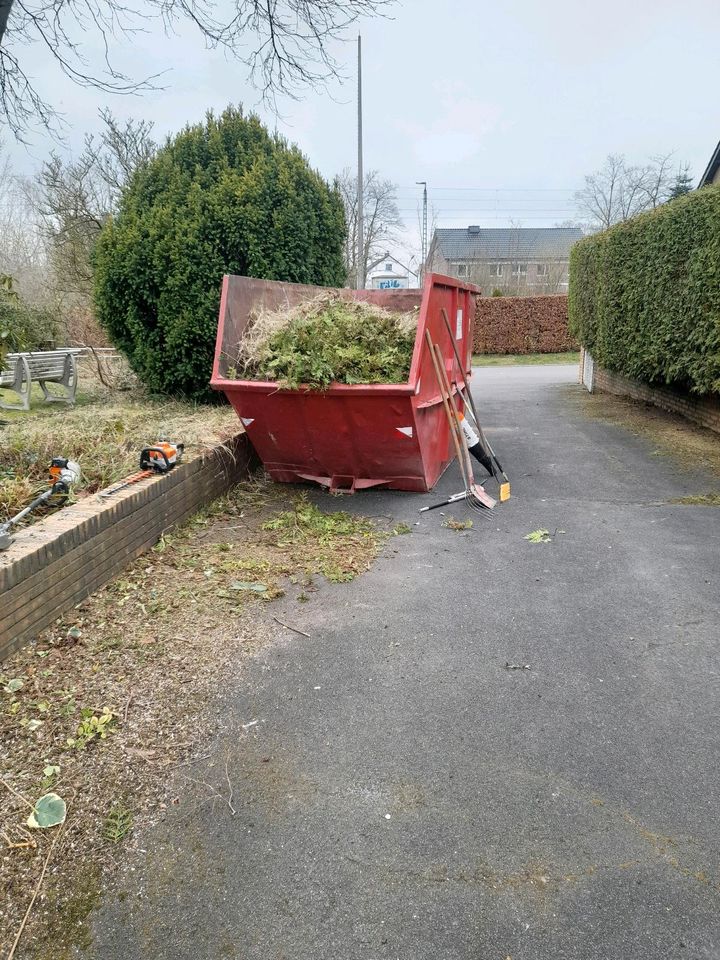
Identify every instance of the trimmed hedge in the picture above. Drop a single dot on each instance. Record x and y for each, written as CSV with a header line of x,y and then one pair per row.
x,y
224,196
522,325
644,296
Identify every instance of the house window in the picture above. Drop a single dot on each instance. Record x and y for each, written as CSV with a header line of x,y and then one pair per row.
x,y
462,269
542,270
496,269
388,268
519,269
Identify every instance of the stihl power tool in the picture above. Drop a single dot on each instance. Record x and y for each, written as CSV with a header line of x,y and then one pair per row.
x,y
160,458
64,474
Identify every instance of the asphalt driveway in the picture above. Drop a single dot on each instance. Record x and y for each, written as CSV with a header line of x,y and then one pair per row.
x,y
403,794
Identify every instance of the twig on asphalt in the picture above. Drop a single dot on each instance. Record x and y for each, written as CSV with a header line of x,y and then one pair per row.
x,y
214,791
227,777
294,629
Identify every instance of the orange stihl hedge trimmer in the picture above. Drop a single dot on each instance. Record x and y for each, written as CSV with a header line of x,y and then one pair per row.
x,y
160,458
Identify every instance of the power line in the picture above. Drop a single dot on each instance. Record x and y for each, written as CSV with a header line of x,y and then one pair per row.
x,y
435,189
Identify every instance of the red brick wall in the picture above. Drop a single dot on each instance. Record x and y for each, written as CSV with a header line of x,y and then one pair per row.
x,y
702,410
522,325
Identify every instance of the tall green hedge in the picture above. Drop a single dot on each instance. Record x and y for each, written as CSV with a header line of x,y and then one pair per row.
x,y
644,295
221,197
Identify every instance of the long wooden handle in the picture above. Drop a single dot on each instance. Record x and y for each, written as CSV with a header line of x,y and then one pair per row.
x,y
448,414
456,418
467,396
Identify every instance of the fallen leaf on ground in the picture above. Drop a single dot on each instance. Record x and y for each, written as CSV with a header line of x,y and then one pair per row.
x,y
538,536
49,811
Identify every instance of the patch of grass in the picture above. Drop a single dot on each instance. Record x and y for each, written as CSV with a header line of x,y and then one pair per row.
x,y
700,500
337,545
92,726
523,359
105,436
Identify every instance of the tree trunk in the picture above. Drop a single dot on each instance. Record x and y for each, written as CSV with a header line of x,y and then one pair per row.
x,y
5,6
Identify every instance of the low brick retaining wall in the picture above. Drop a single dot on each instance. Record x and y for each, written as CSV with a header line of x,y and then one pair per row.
x,y
704,411
59,561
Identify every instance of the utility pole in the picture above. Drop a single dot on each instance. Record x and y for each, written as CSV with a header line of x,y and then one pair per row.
x,y
360,178
423,239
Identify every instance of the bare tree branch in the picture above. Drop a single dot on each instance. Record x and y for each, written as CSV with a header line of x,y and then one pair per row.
x,y
620,191
77,196
381,221
284,43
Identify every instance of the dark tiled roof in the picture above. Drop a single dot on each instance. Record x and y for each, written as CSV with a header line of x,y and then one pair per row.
x,y
508,243
712,168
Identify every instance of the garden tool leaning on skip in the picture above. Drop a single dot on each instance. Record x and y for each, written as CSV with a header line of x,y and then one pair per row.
x,y
466,431
64,474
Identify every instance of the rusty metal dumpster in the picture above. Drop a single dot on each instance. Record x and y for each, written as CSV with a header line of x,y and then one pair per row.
x,y
350,438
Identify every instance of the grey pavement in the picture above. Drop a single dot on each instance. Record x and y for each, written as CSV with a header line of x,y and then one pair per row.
x,y
405,795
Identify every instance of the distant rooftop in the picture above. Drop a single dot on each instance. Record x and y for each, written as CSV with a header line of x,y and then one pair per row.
x,y
506,243
712,168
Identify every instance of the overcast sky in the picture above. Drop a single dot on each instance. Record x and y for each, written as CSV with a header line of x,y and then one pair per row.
x,y
502,107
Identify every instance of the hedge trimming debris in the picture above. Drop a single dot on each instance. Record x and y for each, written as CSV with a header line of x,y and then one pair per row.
x,y
328,339
644,296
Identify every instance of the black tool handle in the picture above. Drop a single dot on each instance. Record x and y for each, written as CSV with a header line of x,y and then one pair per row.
x,y
150,463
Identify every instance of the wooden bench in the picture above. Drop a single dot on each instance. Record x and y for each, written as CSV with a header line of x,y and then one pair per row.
x,y
47,366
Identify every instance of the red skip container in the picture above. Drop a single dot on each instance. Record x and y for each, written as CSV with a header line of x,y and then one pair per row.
x,y
349,438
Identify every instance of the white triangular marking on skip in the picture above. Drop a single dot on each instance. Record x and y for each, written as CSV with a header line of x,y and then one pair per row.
x,y
247,420
406,430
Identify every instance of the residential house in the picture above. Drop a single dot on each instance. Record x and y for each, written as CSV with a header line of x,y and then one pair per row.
x,y
712,173
388,273
516,260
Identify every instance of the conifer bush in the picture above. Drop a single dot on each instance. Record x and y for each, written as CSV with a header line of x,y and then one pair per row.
x,y
224,196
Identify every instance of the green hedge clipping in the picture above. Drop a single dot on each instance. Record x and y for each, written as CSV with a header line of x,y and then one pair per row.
x,y
644,295
221,197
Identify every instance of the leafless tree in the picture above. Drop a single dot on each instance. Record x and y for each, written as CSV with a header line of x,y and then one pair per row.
x,y
77,196
598,199
284,43
619,191
23,251
658,180
381,218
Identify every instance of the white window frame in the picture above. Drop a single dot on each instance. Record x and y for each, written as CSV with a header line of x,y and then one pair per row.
x,y
543,270
496,270
519,270
388,267
462,270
